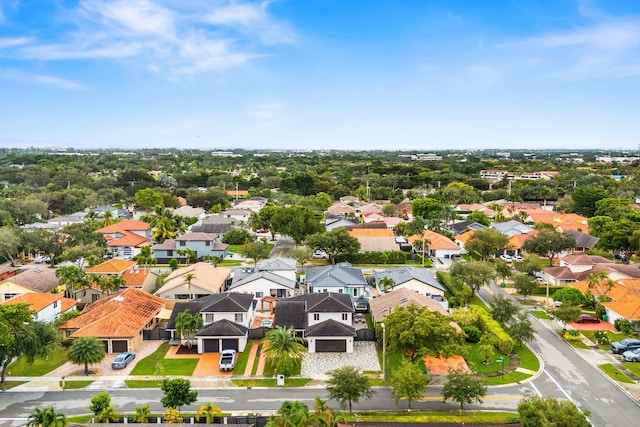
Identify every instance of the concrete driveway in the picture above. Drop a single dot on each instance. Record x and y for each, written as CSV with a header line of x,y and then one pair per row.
x,y
364,357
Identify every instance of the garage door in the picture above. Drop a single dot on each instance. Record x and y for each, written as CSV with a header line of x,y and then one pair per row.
x,y
324,346
211,346
230,344
119,346
106,346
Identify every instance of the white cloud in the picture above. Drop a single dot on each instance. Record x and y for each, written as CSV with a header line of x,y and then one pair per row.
x,y
40,79
163,36
267,114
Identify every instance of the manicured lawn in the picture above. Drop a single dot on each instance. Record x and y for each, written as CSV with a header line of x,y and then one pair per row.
x,y
613,337
541,315
509,378
269,371
633,367
156,364
7,385
429,416
271,382
230,263
143,383
578,344
615,373
40,366
242,359
73,385
475,358
477,301
528,360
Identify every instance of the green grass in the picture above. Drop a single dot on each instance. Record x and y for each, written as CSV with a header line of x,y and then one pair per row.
x,y
40,366
613,337
509,378
528,360
256,361
156,364
541,315
634,367
578,344
143,383
242,359
74,385
475,358
477,301
615,373
269,371
230,263
441,417
7,385
81,419
271,382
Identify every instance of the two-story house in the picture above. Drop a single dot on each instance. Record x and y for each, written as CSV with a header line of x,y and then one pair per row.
x,y
274,277
125,238
324,319
46,307
194,281
203,244
341,278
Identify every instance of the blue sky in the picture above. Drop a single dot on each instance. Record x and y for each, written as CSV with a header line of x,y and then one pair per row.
x,y
346,74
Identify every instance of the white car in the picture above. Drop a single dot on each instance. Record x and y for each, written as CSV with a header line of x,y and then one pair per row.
x,y
319,254
506,258
517,258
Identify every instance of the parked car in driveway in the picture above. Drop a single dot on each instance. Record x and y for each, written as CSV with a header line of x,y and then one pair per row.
x,y
506,258
619,347
632,355
122,360
227,360
586,318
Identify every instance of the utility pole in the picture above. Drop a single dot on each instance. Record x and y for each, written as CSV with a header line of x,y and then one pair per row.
x,y
384,351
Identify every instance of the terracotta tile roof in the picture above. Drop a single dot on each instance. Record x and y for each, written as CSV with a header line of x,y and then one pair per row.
x,y
559,272
371,232
239,193
517,240
67,303
584,260
564,222
123,314
630,310
112,266
136,277
182,201
128,239
384,304
464,237
341,208
124,225
438,241
36,301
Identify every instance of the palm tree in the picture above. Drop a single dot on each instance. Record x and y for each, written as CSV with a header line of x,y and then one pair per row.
x,y
46,418
209,412
187,325
323,412
108,218
86,351
164,230
386,283
72,277
142,414
281,346
188,278
107,414
115,282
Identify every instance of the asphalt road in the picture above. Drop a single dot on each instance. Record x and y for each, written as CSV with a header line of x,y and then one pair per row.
x,y
282,246
566,375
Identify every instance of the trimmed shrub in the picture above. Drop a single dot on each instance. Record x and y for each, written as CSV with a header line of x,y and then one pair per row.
x,y
391,257
602,337
456,294
473,334
622,325
488,324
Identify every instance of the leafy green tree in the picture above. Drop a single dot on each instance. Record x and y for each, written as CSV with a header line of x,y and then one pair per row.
x,y
177,393
47,417
262,220
296,222
145,258
324,413
237,237
479,217
473,274
347,385
408,382
294,414
209,411
520,328
100,402
585,199
569,296
417,332
566,314
426,207
549,243
503,270
107,415
86,351
537,411
72,278
613,207
487,346
503,309
529,264
148,198
256,251
9,243
187,325
386,283
301,254
486,242
525,284
20,335
335,242
282,349
172,416
459,192
463,387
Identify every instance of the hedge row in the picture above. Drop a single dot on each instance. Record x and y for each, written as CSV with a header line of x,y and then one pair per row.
x,y
456,294
488,324
542,290
391,257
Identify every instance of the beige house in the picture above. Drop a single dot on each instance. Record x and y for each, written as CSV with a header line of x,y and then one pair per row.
x,y
384,304
195,281
34,280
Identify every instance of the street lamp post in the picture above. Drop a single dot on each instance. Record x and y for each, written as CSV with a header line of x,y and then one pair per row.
x,y
384,351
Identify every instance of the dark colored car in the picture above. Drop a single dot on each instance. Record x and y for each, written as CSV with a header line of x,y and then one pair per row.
x,y
585,318
122,360
626,344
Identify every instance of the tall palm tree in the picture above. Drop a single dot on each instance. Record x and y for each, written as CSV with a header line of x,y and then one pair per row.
x,y
115,282
187,325
46,418
107,415
142,414
386,283
72,277
209,411
163,230
86,351
108,218
281,345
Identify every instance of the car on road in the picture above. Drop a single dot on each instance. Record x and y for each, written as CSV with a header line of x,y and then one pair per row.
x,y
632,355
227,360
319,254
506,258
42,259
122,360
619,347
586,318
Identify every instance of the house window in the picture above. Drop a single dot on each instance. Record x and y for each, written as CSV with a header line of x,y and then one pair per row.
x,y
183,243
340,290
182,296
259,294
94,297
207,243
208,318
239,317
316,316
170,252
7,296
345,316
280,293
55,304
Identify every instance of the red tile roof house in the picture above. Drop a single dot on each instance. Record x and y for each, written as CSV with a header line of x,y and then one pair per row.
x,y
125,238
118,320
46,307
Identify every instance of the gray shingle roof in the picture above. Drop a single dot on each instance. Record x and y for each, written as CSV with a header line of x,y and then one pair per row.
x,y
405,274
330,328
335,275
326,302
223,328
511,228
278,264
583,240
192,307
290,314
272,277
228,302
